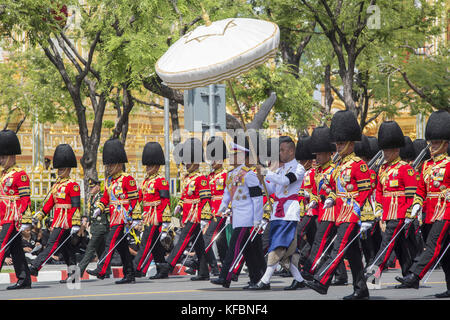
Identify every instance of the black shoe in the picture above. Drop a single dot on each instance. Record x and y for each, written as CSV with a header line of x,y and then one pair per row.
x,y
410,281
360,295
126,280
221,282
20,285
165,269
33,271
249,285
158,275
95,273
445,294
200,278
339,282
401,286
306,275
296,285
316,286
259,286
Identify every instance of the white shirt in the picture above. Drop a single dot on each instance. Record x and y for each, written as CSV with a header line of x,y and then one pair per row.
x,y
246,210
283,185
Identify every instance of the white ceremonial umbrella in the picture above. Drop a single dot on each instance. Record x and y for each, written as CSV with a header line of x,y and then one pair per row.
x,y
217,52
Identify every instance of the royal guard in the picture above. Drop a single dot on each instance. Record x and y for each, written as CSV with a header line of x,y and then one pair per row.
x,y
14,208
216,153
307,224
120,196
154,197
352,185
283,183
244,195
408,154
322,186
366,149
65,201
196,211
394,196
433,187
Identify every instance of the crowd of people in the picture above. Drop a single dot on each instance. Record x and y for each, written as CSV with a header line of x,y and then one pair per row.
x,y
296,209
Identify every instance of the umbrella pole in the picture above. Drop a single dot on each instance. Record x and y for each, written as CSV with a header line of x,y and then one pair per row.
x,y
260,178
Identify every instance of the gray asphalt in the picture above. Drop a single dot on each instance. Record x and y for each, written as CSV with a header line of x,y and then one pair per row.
x,y
182,288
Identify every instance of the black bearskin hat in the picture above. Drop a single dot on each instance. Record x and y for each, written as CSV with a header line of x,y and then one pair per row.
x,y
407,152
153,154
114,152
64,157
438,127
345,127
9,143
390,136
320,140
303,149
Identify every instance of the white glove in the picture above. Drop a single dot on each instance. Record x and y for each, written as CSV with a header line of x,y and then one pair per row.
x,y
165,226
256,224
163,235
306,194
24,227
416,209
96,213
379,213
264,224
203,223
407,220
228,221
177,210
365,226
135,223
312,205
328,203
74,230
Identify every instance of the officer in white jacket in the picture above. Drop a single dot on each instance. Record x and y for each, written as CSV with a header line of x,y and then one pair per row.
x,y
283,184
243,194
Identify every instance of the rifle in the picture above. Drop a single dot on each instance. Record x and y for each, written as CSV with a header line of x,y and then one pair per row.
x,y
373,162
420,157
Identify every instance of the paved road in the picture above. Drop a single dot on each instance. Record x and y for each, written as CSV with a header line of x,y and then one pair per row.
x,y
181,288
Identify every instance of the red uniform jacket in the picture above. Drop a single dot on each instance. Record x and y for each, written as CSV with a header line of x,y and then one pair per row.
x,y
217,183
323,179
121,195
352,184
195,198
303,200
155,198
14,196
395,189
65,200
434,188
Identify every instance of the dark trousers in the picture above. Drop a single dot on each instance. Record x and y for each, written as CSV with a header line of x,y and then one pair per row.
x,y
370,243
399,245
346,232
438,239
143,259
96,245
324,234
253,256
213,228
411,238
189,233
15,248
116,237
57,237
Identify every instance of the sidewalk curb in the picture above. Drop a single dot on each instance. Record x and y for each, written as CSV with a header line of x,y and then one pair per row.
x,y
57,275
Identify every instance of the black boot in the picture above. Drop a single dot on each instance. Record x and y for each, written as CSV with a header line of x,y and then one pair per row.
x,y
339,282
162,271
410,281
129,278
21,284
200,278
445,294
259,286
316,286
221,282
306,275
33,271
358,295
296,285
139,274
95,273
